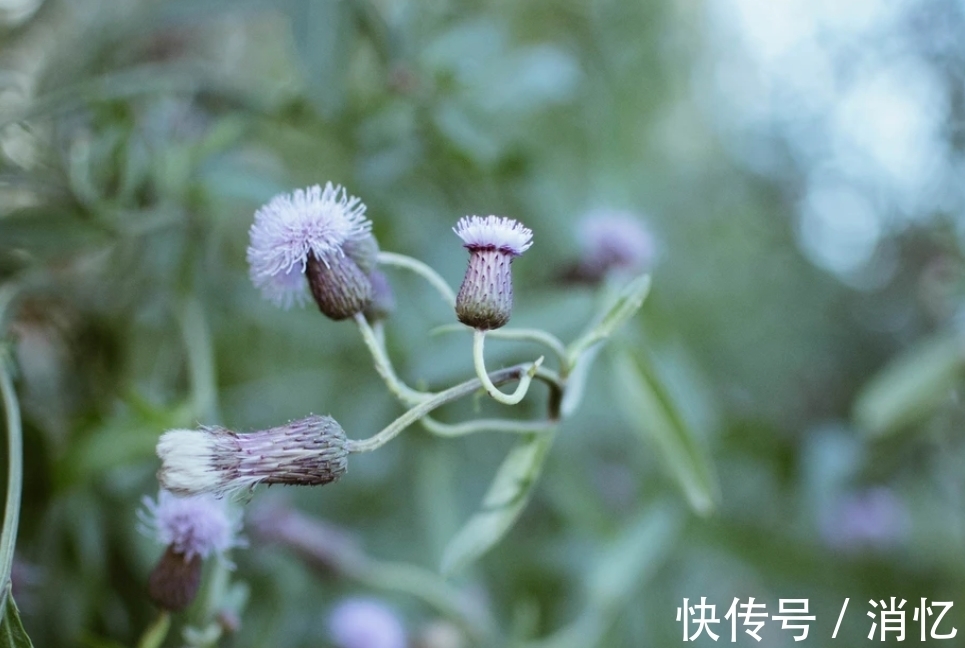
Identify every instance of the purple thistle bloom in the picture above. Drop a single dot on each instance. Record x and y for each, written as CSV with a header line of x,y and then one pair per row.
x,y
365,623
308,452
196,525
292,229
485,299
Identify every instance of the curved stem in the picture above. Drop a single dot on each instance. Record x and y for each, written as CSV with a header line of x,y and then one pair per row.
x,y
539,336
11,509
384,366
479,361
421,269
484,425
432,402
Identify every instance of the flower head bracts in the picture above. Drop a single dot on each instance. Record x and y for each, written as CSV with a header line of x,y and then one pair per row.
x,y
494,233
291,228
196,525
310,451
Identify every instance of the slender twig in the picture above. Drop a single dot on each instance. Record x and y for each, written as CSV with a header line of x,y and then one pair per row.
x,y
11,510
384,366
484,425
421,269
517,372
479,361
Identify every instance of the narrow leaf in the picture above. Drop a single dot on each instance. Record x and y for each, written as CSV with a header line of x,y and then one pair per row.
x,y
911,386
627,304
654,416
12,634
507,497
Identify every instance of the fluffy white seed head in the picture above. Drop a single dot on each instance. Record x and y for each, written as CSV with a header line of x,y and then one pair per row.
x,y
187,461
494,233
291,227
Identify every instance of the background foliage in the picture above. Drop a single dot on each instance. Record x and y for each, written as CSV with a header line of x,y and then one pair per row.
x,y
821,372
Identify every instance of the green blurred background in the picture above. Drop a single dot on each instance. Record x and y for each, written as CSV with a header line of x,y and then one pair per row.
x,y
799,164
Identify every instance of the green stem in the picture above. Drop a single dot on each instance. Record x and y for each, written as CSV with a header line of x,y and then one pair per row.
x,y
157,632
434,401
484,425
421,269
539,336
479,361
11,511
200,358
384,366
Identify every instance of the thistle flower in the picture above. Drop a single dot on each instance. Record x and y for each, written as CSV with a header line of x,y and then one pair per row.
x,y
485,299
308,452
612,241
192,528
303,235
365,623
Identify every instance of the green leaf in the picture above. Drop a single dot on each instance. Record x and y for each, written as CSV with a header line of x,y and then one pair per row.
x,y
654,416
627,304
11,507
633,557
504,501
12,634
911,386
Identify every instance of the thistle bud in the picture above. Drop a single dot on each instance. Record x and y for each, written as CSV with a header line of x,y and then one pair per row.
x,y
485,299
307,232
307,452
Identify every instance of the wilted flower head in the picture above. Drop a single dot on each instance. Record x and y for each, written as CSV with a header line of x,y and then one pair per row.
x,y
303,235
613,240
365,623
485,299
192,528
310,451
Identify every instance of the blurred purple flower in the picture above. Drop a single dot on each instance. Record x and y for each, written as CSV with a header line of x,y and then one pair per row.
x,y
365,623
612,240
873,518
196,525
